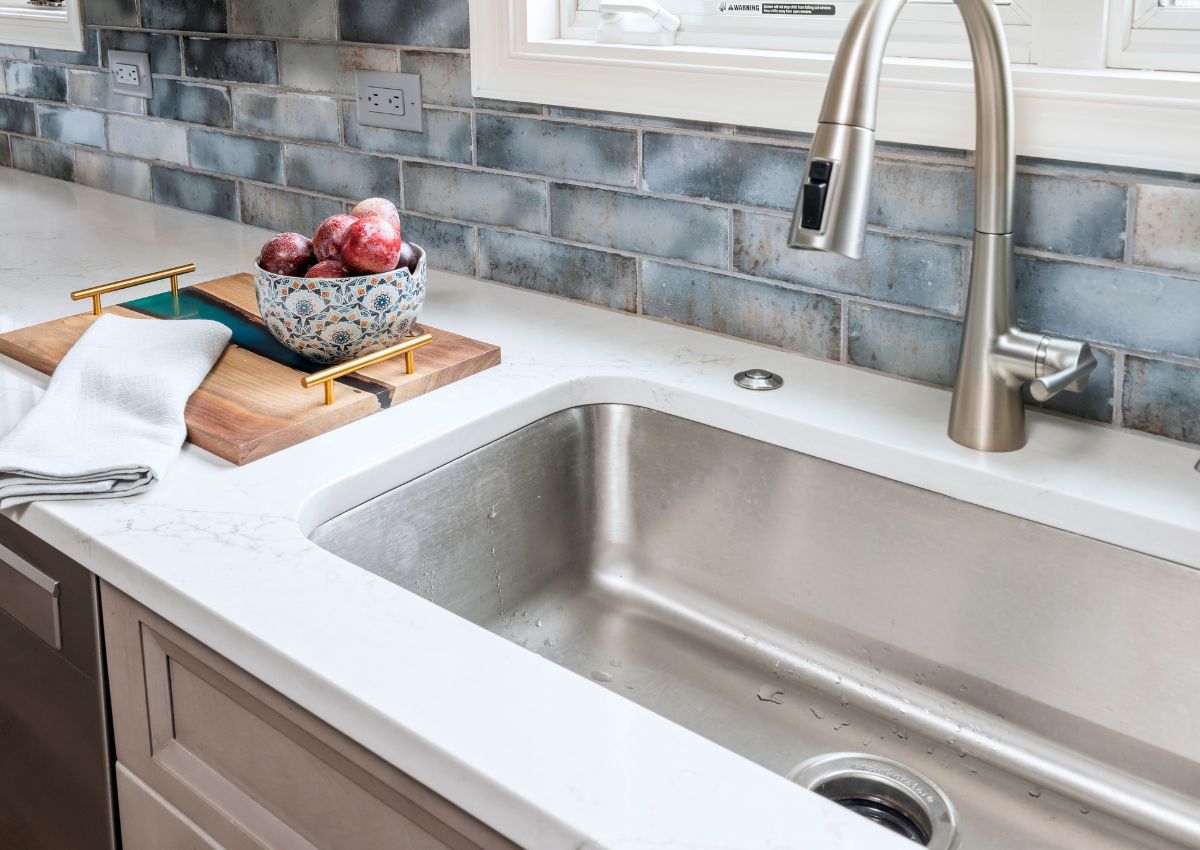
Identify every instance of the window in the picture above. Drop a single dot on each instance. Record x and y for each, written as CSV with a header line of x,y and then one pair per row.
x,y
45,23
1105,81
1156,35
927,29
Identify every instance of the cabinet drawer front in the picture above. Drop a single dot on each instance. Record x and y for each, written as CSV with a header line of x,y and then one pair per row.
x,y
30,597
252,769
148,822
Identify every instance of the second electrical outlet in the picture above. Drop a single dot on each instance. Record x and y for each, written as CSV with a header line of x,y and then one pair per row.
x,y
389,100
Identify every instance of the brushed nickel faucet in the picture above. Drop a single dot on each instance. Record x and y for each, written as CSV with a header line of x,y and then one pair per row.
x,y
996,357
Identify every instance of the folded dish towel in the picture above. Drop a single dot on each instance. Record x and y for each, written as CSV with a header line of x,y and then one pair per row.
x,y
111,421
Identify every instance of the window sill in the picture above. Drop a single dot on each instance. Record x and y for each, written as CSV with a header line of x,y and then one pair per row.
x,y
1129,118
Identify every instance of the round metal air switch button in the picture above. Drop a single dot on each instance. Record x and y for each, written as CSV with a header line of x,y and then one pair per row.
x,y
758,379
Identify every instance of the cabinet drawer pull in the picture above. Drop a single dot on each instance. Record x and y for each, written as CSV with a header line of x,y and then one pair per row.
x,y
30,597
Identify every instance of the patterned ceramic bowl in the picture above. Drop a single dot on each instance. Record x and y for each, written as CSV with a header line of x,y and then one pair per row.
x,y
331,320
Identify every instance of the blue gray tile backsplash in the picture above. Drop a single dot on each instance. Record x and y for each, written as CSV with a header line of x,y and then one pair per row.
x,y
253,120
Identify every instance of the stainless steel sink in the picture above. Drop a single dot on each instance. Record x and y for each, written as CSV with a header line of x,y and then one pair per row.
x,y
787,607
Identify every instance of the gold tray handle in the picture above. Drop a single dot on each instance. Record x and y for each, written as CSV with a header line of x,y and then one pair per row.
x,y
94,292
328,376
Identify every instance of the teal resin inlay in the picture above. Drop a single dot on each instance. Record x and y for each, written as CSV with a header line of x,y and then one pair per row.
x,y
249,335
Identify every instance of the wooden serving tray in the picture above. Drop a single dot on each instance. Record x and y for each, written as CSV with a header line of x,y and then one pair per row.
x,y
251,404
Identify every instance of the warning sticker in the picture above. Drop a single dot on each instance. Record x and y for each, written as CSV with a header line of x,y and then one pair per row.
x,y
784,9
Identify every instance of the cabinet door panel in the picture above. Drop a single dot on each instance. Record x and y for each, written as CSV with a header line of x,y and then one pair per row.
x,y
253,770
148,822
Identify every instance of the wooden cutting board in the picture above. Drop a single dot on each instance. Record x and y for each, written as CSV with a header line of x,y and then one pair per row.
x,y
251,404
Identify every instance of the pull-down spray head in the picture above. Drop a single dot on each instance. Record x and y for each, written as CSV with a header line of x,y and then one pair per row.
x,y
831,211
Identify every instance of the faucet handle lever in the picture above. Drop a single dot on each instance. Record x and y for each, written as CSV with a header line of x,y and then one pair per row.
x,y
1061,364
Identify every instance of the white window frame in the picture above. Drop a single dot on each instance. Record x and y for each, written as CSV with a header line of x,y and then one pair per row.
x,y
924,30
1074,109
41,26
1149,37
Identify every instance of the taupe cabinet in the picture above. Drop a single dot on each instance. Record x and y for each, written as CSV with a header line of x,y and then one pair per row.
x,y
209,758
55,756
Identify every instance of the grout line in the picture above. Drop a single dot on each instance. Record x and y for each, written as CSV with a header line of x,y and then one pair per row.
x,y
1131,200
1118,413
844,332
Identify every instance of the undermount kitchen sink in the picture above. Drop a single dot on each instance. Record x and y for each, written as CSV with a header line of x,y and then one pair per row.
x,y
786,608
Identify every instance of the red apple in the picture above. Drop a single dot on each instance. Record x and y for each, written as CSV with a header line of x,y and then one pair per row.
x,y
381,207
408,257
329,268
371,245
288,254
327,241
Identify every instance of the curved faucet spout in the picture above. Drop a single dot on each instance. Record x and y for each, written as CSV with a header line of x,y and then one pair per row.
x,y
987,412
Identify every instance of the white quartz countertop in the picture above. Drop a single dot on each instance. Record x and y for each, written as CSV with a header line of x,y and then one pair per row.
x,y
550,759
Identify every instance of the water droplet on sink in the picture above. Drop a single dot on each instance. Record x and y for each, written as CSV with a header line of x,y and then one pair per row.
x,y
614,662
601,676
492,513
537,623
1035,793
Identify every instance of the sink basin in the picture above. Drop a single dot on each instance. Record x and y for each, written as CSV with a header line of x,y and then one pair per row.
x,y
786,608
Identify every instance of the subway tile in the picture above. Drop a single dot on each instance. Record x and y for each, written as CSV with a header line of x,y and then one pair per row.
x,y
475,196
147,139
42,82
774,315
71,125
1085,218
196,103
94,89
5,152
348,175
914,272
280,210
47,158
425,23
572,151
113,174
231,60
628,120
672,229
450,246
236,156
445,77
598,277
90,55
330,67
110,13
508,106
1162,398
189,15
446,136
1167,228
1096,400
163,49
291,116
1145,311
732,172
919,347
17,116
896,149
316,19
793,136
14,51
196,192
925,197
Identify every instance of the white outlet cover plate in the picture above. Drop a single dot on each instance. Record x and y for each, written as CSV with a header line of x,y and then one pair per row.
x,y
144,87
392,101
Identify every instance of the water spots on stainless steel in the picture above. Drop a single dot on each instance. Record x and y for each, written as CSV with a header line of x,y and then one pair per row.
x,y
769,694
901,734
838,727
1035,793
1083,810
612,662
816,713
537,623
601,676
547,643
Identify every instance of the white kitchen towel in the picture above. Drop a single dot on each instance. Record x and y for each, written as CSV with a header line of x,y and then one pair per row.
x,y
111,420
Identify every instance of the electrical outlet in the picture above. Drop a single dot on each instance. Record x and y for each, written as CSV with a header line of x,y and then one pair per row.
x,y
130,73
391,101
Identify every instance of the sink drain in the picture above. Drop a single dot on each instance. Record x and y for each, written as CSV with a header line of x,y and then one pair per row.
x,y
886,792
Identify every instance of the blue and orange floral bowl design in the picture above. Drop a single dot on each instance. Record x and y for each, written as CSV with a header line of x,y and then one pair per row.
x,y
331,320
